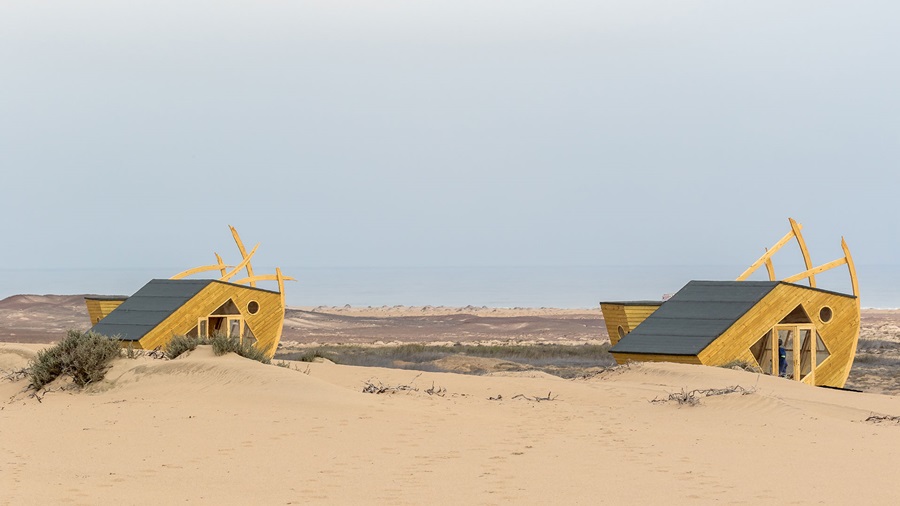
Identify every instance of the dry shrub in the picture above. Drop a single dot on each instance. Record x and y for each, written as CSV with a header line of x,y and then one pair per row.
x,y
181,344
223,344
85,357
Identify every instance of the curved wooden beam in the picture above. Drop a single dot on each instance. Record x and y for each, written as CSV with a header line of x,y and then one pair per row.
x,y
855,283
846,260
280,279
768,254
240,245
795,228
852,267
220,266
244,263
262,277
770,268
815,270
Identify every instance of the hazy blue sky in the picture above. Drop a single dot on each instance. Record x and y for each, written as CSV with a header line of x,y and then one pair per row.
x,y
429,133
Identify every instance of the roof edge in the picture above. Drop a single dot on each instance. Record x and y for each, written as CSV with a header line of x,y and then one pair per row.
x,y
633,302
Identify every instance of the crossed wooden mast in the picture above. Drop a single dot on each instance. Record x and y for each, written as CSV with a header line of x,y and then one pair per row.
x,y
227,274
810,272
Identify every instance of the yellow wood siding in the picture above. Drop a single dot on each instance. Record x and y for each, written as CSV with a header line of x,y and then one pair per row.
x,y
266,324
622,358
98,309
626,316
635,315
840,335
614,316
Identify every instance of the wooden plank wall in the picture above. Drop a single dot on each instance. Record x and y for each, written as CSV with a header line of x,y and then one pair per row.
x,y
622,358
614,316
840,335
266,324
627,316
99,309
635,315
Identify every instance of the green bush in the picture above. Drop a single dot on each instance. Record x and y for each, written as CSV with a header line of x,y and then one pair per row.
x,y
181,344
85,357
223,344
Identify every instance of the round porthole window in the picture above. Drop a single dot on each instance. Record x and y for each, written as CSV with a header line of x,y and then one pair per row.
x,y
826,314
253,307
621,332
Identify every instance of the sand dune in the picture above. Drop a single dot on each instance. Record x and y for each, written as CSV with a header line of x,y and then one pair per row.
x,y
226,430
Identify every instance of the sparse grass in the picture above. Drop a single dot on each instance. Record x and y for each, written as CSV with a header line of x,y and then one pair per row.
x,y
875,359
866,345
223,344
561,360
310,356
130,352
85,357
743,365
182,344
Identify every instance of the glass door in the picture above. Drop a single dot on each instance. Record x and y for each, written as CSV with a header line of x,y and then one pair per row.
x,y
796,356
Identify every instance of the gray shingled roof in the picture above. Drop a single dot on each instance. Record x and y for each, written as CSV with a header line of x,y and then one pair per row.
x,y
694,317
148,307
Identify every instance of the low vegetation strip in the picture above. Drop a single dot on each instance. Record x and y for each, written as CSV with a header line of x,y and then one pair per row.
x,y
221,345
561,360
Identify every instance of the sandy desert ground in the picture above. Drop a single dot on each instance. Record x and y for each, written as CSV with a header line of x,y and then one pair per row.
x,y
226,430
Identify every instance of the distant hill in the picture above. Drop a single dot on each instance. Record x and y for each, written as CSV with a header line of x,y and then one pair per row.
x,y
41,318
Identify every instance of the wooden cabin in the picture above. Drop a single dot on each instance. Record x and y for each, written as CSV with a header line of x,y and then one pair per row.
x,y
622,317
99,306
164,308
718,322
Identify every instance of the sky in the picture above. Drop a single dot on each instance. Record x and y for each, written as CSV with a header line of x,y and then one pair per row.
x,y
446,133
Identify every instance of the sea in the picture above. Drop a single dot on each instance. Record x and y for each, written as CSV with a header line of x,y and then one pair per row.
x,y
502,286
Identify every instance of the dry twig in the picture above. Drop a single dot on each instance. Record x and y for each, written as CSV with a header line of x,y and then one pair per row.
x,y
692,397
439,391
883,418
40,394
157,353
17,374
536,398
371,388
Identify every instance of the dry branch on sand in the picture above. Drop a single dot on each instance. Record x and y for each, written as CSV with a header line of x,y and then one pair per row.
x,y
536,398
692,397
439,391
16,375
883,418
371,387
380,388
